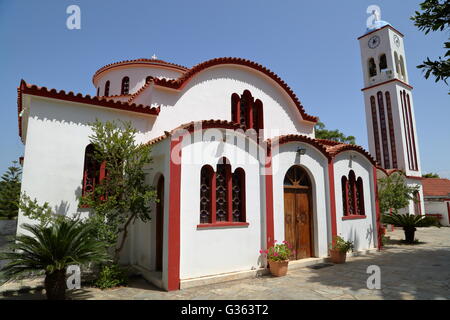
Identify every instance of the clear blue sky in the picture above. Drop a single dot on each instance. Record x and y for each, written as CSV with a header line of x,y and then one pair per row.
x,y
310,44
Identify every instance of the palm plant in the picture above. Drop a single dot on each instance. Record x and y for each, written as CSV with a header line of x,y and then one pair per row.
x,y
409,223
52,249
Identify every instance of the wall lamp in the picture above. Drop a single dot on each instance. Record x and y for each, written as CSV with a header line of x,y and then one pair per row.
x,y
301,151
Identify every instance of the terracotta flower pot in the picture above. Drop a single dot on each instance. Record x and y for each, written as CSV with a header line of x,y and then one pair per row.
x,y
337,256
278,268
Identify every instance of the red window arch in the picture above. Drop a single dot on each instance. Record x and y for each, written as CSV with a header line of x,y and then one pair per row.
x,y
222,194
93,171
352,195
125,85
238,195
247,111
207,201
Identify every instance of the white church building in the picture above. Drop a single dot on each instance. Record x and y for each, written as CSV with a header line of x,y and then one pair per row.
x,y
235,160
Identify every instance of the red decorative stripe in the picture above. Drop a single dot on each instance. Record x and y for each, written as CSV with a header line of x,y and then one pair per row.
x,y
173,261
391,130
392,80
353,216
386,158
377,209
376,135
413,139
270,233
406,127
332,199
222,224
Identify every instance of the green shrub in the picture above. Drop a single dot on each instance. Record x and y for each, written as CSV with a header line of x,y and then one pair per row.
x,y
111,276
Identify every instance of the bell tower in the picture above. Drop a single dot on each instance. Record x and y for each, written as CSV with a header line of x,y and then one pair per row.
x,y
391,125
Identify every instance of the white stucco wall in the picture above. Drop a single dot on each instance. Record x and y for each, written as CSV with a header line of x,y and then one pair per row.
x,y
361,231
315,164
217,250
57,135
440,207
208,96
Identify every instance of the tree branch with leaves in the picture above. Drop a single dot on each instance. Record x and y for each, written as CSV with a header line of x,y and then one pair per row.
x,y
123,196
435,16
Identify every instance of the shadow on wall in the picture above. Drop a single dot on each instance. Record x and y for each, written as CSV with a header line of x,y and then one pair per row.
x,y
419,274
70,114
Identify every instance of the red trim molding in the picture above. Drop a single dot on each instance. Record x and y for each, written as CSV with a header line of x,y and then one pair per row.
x,y
173,261
137,62
332,199
388,81
353,217
377,209
270,233
179,83
222,225
34,90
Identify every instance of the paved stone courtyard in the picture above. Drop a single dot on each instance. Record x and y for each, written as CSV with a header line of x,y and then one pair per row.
x,y
420,271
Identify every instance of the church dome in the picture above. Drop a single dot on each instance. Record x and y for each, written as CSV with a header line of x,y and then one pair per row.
x,y
124,78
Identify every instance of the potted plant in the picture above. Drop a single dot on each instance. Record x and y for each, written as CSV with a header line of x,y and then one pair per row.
x,y
52,249
409,223
278,257
339,248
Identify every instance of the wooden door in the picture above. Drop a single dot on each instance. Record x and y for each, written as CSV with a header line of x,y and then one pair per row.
x,y
298,213
159,223
298,222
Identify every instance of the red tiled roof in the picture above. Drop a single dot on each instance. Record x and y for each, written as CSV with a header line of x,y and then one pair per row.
x,y
338,148
328,148
32,89
203,124
188,75
297,137
143,61
436,187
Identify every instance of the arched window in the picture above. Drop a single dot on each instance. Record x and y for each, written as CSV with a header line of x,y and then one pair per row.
x,y
360,197
397,63
372,67
238,195
417,205
344,184
402,67
258,120
247,111
148,79
351,192
206,200
235,107
93,171
352,195
222,194
223,191
106,94
125,85
383,62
